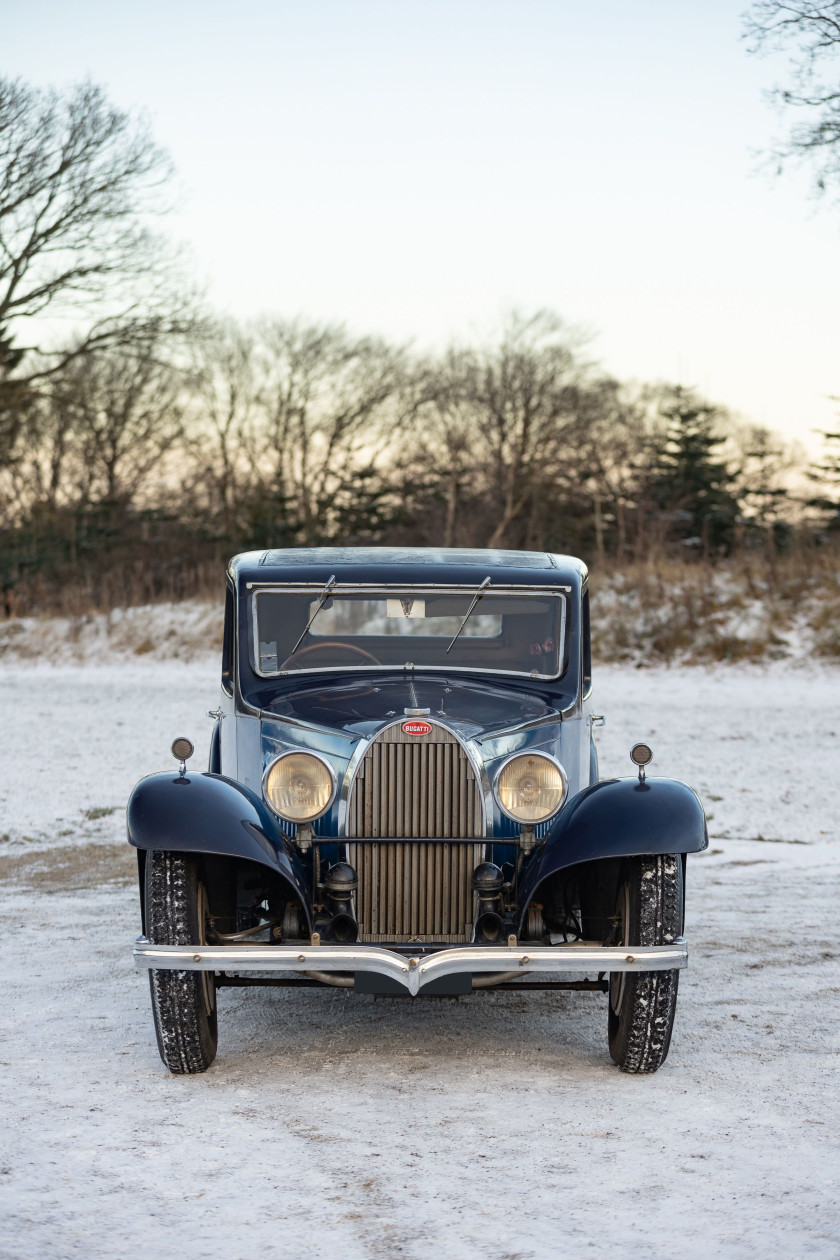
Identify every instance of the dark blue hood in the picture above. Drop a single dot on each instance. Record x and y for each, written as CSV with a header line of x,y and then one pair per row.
x,y
354,704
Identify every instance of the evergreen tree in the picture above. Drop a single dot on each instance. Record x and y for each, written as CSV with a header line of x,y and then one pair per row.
x,y
690,485
365,510
15,397
827,475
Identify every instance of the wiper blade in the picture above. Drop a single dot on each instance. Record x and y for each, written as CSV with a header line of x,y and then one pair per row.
x,y
476,598
321,599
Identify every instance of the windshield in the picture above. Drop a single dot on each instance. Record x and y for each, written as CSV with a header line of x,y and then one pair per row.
x,y
411,629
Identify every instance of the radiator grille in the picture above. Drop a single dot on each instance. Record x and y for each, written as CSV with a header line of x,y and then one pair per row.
x,y
415,786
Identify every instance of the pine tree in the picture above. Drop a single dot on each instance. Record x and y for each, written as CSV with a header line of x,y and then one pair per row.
x,y
827,475
14,397
365,509
690,485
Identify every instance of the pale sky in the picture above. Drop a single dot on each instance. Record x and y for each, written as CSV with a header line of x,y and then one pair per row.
x,y
419,167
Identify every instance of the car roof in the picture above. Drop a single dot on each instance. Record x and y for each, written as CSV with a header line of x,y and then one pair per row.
x,y
412,566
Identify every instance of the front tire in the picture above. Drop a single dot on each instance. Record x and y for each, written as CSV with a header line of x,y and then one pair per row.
x,y
183,1002
643,1003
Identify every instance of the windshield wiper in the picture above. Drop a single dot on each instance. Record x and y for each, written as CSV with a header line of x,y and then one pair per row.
x,y
321,599
476,598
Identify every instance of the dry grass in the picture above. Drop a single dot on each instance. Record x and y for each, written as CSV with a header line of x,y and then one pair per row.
x,y
76,594
70,869
749,610
180,631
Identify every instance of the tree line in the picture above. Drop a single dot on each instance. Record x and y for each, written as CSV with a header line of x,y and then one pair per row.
x,y
153,440
143,470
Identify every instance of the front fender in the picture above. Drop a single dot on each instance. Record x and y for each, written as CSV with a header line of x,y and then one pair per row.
x,y
618,818
208,813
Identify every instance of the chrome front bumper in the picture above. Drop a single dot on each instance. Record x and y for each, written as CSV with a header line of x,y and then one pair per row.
x,y
412,972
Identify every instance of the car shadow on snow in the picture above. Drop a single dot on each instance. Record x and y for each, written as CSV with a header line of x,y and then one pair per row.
x,y
305,1029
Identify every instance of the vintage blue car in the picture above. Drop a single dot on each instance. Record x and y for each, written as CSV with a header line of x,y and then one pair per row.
x,y
403,798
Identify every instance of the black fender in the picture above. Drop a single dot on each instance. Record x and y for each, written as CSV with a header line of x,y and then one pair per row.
x,y
215,761
618,818
208,813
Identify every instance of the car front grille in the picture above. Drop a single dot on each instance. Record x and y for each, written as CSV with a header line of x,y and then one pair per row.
x,y
415,786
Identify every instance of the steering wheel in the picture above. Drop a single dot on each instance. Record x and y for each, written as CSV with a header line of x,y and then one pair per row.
x,y
331,643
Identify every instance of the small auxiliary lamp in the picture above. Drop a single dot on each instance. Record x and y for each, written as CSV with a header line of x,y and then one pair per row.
x,y
182,750
641,755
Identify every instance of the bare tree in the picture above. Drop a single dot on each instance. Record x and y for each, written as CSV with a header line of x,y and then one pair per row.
x,y
78,182
325,399
810,30
531,394
512,444
437,452
611,448
225,412
108,423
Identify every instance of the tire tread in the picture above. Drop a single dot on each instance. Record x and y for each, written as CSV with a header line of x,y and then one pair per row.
x,y
640,1038
186,1036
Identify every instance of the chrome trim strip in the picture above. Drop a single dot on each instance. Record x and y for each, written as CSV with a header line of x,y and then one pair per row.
x,y
358,756
409,669
412,972
531,752
502,732
484,784
298,724
480,840
245,709
302,587
299,589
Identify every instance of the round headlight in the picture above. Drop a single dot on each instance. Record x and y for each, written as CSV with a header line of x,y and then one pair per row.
x,y
530,787
299,786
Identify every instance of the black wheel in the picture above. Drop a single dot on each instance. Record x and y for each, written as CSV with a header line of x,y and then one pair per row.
x,y
643,1003
183,1002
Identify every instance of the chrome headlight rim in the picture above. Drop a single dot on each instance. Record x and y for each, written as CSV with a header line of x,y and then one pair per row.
x,y
297,752
564,779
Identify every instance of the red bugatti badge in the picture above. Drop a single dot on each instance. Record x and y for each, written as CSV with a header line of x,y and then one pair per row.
x,y
417,728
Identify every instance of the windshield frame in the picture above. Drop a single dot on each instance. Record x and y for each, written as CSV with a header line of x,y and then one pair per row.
x,y
255,589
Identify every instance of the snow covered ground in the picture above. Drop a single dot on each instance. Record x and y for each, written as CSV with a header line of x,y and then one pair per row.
x,y
348,1126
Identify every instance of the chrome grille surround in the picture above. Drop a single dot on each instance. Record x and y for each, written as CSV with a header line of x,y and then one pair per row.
x,y
415,788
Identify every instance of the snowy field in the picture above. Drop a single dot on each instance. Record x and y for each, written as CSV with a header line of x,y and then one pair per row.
x,y
347,1126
